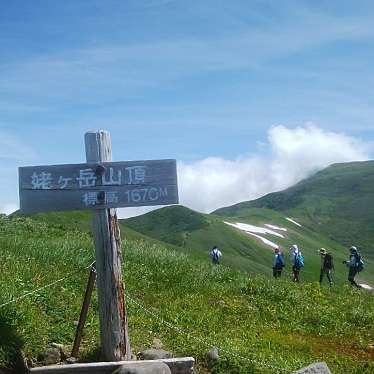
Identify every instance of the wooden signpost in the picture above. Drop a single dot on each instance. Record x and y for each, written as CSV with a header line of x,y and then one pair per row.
x,y
102,185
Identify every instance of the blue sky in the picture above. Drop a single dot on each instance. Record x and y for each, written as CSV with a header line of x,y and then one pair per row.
x,y
191,80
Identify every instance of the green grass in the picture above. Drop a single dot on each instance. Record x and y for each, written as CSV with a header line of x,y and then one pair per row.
x,y
253,319
170,224
241,251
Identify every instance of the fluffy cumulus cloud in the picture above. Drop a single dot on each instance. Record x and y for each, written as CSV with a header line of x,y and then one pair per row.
x,y
293,154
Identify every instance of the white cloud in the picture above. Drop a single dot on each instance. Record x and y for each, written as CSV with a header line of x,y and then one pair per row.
x,y
13,153
294,153
8,208
300,151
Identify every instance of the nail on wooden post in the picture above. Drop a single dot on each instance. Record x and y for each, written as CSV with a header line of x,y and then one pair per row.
x,y
115,342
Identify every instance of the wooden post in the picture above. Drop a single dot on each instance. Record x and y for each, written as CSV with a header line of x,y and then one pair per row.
x,y
84,311
115,342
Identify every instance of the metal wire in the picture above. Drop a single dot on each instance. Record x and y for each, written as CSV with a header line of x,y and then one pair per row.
x,y
16,299
206,342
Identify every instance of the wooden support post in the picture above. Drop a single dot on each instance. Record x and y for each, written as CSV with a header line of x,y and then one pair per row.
x,y
115,342
84,310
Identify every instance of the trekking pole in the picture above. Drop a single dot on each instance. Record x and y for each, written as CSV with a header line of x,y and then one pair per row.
x,y
84,310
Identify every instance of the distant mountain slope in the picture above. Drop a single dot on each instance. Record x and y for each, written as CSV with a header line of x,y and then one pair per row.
x,y
338,201
196,233
80,220
170,224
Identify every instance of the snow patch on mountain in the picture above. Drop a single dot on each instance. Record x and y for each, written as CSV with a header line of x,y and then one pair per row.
x,y
366,286
264,240
294,222
254,229
275,227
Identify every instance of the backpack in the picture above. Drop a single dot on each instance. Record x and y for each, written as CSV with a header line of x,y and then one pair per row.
x,y
299,260
359,262
279,263
328,262
215,255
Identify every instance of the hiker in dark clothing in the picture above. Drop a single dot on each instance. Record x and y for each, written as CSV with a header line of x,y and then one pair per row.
x,y
326,265
215,254
355,265
278,263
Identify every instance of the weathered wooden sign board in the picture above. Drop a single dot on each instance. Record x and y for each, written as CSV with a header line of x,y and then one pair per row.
x,y
103,185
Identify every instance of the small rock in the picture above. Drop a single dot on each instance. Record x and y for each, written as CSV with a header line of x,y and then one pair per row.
x,y
316,368
71,360
59,346
221,303
52,356
143,368
63,350
157,344
155,354
212,356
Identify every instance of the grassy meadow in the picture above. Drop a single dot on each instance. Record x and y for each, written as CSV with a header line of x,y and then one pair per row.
x,y
259,325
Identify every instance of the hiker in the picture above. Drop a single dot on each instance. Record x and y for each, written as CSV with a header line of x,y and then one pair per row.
x,y
215,254
326,265
278,263
355,265
297,262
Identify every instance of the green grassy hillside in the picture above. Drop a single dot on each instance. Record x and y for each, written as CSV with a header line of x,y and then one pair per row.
x,y
337,201
170,224
259,324
197,233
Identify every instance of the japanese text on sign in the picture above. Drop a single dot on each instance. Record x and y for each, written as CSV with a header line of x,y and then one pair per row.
x,y
88,178
98,185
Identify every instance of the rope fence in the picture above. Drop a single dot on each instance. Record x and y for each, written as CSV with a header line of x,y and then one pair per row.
x,y
206,342
275,369
15,300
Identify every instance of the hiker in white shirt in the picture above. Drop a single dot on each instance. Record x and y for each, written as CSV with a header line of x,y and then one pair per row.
x,y
215,254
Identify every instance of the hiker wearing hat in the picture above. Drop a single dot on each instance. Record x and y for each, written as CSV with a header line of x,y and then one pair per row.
x,y
278,263
326,266
355,265
297,262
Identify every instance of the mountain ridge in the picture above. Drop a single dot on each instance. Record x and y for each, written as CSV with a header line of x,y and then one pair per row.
x,y
337,199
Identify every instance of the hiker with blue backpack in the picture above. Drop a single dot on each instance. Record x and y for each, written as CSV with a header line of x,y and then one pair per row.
x,y
215,254
354,264
297,262
278,263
